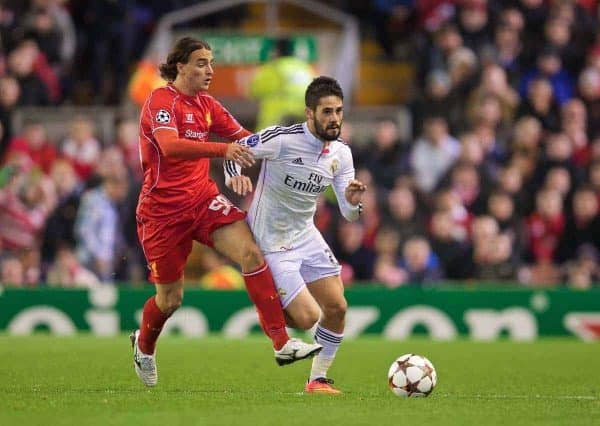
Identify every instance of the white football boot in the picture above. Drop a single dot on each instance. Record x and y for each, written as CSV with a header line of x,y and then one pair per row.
x,y
295,350
145,365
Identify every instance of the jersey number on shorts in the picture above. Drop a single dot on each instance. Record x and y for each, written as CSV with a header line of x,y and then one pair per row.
x,y
221,203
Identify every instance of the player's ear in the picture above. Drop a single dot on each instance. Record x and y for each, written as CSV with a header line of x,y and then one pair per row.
x,y
310,114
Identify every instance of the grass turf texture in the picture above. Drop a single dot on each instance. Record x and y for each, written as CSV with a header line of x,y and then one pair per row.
x,y
212,381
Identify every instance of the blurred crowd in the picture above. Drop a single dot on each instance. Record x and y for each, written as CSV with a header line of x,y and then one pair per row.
x,y
498,182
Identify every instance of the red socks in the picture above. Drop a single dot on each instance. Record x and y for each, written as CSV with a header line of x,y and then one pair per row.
x,y
262,291
153,320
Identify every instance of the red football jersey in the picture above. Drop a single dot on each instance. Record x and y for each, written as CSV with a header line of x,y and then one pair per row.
x,y
172,185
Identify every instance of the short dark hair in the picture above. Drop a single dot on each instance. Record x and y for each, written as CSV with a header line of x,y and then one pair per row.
x,y
180,54
319,88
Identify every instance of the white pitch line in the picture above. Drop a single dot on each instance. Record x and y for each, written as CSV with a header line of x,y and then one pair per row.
x,y
480,396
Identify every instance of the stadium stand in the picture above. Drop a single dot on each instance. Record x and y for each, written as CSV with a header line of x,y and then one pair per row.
x,y
475,124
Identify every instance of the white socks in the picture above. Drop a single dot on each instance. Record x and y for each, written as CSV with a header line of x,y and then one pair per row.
x,y
331,342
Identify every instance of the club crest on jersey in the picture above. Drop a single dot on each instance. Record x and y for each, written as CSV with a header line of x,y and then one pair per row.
x,y
252,141
335,164
189,117
163,116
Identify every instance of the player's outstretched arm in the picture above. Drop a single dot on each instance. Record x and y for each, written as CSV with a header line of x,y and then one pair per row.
x,y
174,147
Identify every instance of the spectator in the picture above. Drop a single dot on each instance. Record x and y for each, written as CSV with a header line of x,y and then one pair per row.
x,y
81,148
386,156
507,50
545,226
356,260
21,62
33,143
465,182
25,203
494,260
474,25
9,97
11,271
60,226
494,82
279,86
433,153
540,103
128,143
97,229
421,265
574,126
444,242
68,272
386,269
549,66
403,213
437,99
582,226
589,90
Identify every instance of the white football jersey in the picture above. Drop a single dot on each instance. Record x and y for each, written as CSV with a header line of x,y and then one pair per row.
x,y
295,171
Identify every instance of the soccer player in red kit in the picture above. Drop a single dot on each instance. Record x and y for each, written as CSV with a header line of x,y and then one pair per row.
x,y
179,203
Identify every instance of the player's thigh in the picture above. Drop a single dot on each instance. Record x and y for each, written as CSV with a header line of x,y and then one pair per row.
x,y
329,294
236,242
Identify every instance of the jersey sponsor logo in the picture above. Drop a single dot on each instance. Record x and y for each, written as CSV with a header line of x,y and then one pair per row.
x,y
312,186
192,134
298,161
163,116
189,117
252,141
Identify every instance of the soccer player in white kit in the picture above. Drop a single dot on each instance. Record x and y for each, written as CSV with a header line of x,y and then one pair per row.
x,y
299,163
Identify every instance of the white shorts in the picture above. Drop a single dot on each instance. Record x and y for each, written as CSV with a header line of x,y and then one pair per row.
x,y
308,262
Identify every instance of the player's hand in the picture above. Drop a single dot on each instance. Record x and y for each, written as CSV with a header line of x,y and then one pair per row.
x,y
240,154
354,191
241,185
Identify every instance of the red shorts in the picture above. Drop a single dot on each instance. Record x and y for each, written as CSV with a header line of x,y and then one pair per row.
x,y
167,243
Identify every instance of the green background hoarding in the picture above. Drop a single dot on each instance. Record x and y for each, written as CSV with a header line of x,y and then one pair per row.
x,y
236,49
442,313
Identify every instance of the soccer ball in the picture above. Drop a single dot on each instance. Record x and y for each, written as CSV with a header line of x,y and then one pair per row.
x,y
412,375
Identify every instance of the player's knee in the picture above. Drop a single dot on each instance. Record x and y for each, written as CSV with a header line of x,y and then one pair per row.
x,y
336,309
173,301
252,256
307,319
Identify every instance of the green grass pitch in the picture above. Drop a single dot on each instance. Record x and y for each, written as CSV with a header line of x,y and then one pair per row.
x,y
86,380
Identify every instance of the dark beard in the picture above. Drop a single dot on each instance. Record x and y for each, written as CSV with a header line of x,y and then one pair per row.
x,y
322,133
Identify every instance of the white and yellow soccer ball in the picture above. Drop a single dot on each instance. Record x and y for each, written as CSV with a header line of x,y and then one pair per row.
x,y
412,375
